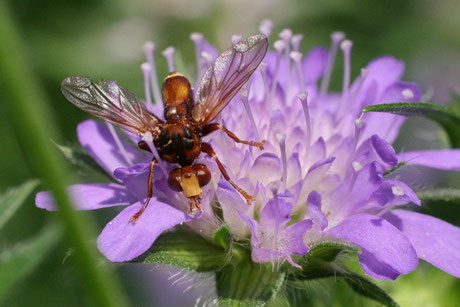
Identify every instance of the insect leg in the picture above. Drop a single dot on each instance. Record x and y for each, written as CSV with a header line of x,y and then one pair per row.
x,y
215,126
136,216
207,149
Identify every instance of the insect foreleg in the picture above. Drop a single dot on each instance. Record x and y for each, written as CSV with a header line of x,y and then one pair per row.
x,y
207,149
136,216
215,126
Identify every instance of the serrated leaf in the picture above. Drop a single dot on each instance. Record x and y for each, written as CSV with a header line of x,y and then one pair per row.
x,y
187,250
439,195
12,199
248,284
441,115
16,263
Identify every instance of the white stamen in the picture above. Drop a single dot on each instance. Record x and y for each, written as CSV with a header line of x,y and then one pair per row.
x,y
336,37
244,94
286,36
358,123
236,38
120,146
206,59
281,138
346,48
297,58
295,41
198,40
263,72
279,46
357,166
407,94
147,71
168,53
266,27
397,190
303,97
364,74
149,49
148,138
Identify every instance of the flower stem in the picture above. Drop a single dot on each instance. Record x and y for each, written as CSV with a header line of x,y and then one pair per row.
x,y
247,283
30,114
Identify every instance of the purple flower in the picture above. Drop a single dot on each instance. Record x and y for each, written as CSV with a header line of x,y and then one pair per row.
x,y
319,178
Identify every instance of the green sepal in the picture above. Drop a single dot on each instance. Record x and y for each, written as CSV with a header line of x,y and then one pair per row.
x,y
248,284
16,263
328,251
187,250
394,168
429,197
12,199
447,119
223,237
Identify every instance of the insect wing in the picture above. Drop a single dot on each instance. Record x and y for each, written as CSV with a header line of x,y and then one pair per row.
x,y
110,102
222,80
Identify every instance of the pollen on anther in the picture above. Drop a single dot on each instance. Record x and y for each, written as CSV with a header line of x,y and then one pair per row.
x,y
357,166
397,190
407,94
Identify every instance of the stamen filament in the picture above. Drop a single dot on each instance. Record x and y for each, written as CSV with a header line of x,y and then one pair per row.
x,y
295,41
263,72
266,27
286,36
198,39
168,53
244,94
336,37
346,48
147,71
236,38
303,97
148,138
281,138
120,146
149,49
279,47
297,58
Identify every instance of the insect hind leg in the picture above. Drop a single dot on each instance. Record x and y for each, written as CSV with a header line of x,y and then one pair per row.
x,y
215,126
135,217
206,148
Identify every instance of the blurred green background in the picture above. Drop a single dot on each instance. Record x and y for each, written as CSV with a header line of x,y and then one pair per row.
x,y
103,39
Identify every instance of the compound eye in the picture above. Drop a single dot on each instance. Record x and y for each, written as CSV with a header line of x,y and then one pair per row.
x,y
202,173
174,179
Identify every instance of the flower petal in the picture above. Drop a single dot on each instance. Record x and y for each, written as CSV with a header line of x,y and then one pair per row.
x,y
266,168
434,240
314,63
99,143
89,196
386,252
135,178
445,159
123,240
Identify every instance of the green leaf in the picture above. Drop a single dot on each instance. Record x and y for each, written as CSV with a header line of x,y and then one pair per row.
x,y
79,158
223,237
439,196
441,115
358,283
187,250
328,251
248,284
24,257
11,200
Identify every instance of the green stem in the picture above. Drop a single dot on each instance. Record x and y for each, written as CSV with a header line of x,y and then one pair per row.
x,y
30,114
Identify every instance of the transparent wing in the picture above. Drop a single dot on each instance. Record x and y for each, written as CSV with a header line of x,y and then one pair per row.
x,y
225,77
110,102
